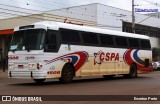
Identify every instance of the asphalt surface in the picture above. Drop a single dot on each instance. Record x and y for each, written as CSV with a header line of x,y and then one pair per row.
x,y
144,85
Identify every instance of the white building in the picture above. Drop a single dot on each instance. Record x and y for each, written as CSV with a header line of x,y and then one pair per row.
x,y
157,15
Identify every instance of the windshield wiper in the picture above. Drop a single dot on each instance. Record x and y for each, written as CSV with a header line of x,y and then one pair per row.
x,y
19,45
14,50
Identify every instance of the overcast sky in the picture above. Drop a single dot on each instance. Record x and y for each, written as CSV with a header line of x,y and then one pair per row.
x,y
24,7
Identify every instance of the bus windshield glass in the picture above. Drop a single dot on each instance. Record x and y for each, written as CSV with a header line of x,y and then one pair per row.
x,y
31,39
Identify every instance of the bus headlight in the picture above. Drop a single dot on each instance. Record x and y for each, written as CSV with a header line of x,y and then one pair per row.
x,y
10,66
32,66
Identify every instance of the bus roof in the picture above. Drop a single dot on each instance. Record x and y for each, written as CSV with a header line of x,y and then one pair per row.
x,y
57,25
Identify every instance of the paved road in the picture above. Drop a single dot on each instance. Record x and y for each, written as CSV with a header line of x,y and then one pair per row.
x,y
145,84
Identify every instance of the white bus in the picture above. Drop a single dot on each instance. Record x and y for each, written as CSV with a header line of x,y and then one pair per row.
x,y
57,50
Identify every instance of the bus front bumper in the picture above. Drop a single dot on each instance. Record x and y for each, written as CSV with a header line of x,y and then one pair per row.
x,y
27,74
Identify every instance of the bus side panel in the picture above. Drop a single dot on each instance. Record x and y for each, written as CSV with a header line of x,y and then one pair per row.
x,y
96,60
138,57
53,65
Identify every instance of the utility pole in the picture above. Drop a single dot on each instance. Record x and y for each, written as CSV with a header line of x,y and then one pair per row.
x,y
133,17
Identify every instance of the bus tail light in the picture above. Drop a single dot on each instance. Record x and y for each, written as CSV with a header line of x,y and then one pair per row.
x,y
39,66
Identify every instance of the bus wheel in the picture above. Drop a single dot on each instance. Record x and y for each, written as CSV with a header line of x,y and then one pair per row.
x,y
67,74
133,72
39,80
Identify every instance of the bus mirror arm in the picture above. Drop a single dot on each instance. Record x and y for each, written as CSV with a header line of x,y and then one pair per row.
x,y
45,46
27,48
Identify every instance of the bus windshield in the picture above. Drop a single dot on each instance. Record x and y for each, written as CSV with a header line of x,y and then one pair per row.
x,y
31,39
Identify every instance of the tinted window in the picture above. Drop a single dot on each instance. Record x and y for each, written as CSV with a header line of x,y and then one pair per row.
x,y
133,43
31,39
70,35
145,44
107,40
51,41
90,38
121,41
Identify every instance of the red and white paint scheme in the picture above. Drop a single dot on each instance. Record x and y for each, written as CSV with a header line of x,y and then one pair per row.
x,y
38,59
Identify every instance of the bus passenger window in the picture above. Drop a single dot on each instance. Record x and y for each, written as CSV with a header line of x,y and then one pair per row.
x,y
70,36
145,44
90,38
133,43
51,42
121,41
106,40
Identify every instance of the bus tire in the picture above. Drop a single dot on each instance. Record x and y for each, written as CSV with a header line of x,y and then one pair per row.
x,y
39,80
132,72
67,74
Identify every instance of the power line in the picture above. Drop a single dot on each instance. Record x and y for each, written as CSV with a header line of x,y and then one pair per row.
x,y
72,10
35,4
30,17
144,19
20,8
24,13
86,10
53,4
75,10
59,20
153,3
18,12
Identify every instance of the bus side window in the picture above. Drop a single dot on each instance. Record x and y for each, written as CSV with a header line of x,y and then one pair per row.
x,y
121,41
90,38
145,44
50,41
133,43
107,40
70,36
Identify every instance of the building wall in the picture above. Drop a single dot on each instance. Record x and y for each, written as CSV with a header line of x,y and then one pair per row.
x,y
60,18
18,21
86,13
155,42
157,15
11,23
113,17
109,18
